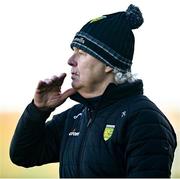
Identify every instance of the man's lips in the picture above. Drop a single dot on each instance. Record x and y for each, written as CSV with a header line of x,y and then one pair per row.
x,y
74,75
74,72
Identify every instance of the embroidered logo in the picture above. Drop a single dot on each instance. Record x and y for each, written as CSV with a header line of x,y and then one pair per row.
x,y
108,131
81,40
75,117
74,133
98,19
123,114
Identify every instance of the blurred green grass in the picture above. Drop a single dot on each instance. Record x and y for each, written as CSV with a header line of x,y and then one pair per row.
x,y
8,123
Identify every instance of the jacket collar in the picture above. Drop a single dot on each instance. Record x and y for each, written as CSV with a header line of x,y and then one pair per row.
x,y
113,93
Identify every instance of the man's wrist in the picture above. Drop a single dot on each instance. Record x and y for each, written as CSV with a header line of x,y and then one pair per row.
x,y
42,109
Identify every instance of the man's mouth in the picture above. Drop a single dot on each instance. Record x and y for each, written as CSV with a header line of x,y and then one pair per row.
x,y
74,75
74,72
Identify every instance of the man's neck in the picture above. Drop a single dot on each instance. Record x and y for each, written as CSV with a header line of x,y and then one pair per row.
x,y
91,94
94,91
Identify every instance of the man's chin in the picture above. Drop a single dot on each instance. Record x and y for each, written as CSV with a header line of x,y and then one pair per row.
x,y
75,85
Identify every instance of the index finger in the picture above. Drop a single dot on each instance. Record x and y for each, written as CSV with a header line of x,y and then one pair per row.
x,y
60,79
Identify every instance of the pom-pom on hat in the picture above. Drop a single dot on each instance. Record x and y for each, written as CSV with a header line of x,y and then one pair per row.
x,y
110,39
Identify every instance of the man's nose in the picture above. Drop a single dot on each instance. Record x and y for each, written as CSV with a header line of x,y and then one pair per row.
x,y
72,60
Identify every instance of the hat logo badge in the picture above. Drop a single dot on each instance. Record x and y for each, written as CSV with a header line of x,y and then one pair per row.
x,y
98,19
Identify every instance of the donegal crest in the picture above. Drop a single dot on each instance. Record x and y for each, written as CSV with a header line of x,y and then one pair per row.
x,y
108,131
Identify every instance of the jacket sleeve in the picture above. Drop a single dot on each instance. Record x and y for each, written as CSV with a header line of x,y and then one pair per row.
x,y
151,143
35,141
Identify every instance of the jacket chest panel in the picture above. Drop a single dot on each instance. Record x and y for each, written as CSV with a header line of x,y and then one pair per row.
x,y
92,147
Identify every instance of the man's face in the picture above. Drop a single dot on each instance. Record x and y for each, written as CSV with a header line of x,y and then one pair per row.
x,y
87,72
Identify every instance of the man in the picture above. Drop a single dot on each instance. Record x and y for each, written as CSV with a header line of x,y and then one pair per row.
x,y
115,131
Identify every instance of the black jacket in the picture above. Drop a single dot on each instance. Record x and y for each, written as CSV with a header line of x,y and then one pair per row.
x,y
124,135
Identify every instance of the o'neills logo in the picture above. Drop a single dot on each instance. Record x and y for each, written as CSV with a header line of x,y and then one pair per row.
x,y
74,133
81,40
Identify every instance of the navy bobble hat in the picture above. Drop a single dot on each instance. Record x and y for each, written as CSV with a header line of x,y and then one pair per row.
x,y
110,39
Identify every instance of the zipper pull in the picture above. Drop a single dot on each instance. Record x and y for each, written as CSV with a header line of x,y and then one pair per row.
x,y
89,117
89,122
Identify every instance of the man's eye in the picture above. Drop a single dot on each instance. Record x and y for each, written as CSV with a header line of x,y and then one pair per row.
x,y
81,52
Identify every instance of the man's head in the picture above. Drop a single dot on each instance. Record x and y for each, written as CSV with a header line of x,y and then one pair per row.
x,y
109,39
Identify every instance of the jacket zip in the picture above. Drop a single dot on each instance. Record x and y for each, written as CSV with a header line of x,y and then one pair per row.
x,y
90,117
83,144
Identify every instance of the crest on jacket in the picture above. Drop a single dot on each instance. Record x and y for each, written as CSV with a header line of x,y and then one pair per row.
x,y
108,131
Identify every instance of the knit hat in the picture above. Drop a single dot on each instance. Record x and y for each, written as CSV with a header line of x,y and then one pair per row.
x,y
110,39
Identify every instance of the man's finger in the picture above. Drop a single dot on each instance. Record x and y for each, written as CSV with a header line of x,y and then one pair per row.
x,y
61,79
41,85
56,81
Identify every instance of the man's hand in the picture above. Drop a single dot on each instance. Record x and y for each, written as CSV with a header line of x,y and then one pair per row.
x,y
48,93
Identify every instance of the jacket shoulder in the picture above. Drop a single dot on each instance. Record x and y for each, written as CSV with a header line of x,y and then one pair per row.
x,y
150,140
146,111
142,102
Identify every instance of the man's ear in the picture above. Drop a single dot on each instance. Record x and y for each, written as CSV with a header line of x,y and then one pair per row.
x,y
108,69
